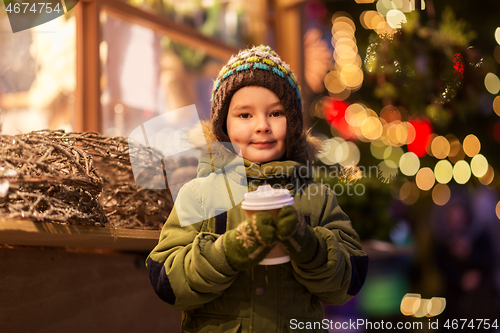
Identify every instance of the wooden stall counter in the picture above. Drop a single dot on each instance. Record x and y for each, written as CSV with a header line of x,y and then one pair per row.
x,y
64,278
26,232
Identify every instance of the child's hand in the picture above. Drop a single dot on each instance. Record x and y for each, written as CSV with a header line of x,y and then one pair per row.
x,y
295,235
250,242
287,221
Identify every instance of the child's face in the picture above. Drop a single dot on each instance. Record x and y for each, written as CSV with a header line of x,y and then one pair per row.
x,y
256,122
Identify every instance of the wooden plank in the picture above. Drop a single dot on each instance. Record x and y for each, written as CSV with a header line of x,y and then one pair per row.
x,y
178,32
289,35
26,232
88,68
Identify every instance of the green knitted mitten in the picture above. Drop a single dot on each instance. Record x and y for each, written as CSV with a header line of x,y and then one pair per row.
x,y
296,236
250,242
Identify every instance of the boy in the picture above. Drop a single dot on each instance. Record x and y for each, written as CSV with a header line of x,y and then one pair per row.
x,y
205,268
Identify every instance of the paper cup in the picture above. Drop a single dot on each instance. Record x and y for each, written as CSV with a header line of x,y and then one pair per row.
x,y
267,199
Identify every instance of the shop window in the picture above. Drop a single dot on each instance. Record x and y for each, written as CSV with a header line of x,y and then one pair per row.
x,y
223,20
37,76
145,74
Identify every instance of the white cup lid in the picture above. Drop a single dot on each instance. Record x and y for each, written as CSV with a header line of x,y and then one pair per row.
x,y
266,198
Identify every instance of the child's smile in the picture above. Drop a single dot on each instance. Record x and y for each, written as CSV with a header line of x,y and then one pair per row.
x,y
256,123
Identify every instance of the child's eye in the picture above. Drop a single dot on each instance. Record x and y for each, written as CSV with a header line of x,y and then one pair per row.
x,y
277,113
244,115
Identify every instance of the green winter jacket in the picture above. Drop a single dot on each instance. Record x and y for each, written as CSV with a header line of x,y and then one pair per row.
x,y
189,270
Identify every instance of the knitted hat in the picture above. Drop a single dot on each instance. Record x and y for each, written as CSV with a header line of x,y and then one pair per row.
x,y
259,66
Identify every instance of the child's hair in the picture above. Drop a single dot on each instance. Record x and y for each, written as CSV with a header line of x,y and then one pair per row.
x,y
261,66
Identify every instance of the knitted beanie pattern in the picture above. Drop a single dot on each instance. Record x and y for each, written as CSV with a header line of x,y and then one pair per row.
x,y
258,66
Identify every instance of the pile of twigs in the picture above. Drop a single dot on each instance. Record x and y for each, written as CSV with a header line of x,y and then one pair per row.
x,y
46,180
89,167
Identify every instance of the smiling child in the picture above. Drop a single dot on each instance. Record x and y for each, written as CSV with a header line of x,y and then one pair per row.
x,y
205,268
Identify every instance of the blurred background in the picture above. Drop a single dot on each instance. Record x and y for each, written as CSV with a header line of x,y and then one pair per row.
x,y
406,92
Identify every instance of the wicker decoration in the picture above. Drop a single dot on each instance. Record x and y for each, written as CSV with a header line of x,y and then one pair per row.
x,y
80,178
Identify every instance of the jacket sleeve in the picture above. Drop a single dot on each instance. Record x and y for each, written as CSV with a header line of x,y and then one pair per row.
x,y
188,268
338,270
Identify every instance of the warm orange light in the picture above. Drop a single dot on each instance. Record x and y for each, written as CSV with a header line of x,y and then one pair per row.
x,y
488,177
472,146
410,304
496,105
441,194
425,179
409,193
440,147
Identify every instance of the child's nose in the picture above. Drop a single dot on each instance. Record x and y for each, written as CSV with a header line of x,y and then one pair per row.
x,y
263,126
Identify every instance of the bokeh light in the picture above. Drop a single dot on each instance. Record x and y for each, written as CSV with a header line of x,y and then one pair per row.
x,y
383,28
355,114
353,155
443,171
488,177
424,308
479,165
492,83
367,17
423,131
425,179
333,83
409,164
440,147
496,53
351,76
472,146
403,5
428,149
410,304
441,194
329,149
337,150
395,18
456,151
416,306
341,22
347,75
393,154
398,133
316,108
461,172
388,171
497,35
437,306
496,105
454,144
371,128
378,148
497,209
390,113
383,6
409,193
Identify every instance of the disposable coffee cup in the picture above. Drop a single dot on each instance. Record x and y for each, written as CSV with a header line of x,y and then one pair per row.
x,y
269,200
